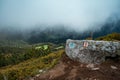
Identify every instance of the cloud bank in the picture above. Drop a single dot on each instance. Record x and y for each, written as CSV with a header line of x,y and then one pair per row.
x,y
77,14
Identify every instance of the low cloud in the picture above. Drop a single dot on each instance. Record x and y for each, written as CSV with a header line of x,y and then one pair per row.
x,y
76,14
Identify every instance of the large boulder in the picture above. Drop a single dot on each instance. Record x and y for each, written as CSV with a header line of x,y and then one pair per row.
x,y
90,51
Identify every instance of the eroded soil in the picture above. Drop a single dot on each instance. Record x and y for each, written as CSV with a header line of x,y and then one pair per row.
x,y
68,69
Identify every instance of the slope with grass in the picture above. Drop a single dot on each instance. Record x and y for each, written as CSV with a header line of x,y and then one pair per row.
x,y
31,67
110,37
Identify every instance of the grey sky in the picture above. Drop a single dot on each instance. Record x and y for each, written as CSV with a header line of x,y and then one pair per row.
x,y
78,14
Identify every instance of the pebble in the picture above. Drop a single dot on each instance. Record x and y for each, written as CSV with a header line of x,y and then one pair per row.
x,y
95,68
41,71
113,67
90,66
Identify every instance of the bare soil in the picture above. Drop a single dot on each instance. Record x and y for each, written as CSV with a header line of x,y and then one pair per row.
x,y
68,69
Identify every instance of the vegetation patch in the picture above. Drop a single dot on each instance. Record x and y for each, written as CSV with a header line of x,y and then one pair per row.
x,y
110,37
15,55
30,67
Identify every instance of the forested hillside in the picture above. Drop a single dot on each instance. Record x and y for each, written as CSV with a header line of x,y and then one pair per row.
x,y
58,33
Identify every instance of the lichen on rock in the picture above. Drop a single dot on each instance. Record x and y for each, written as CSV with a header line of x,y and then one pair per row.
x,y
90,51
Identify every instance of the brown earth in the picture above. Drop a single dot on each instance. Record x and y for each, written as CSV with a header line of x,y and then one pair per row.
x,y
68,69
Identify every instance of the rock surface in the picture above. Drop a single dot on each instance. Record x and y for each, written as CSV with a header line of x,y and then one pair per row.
x,y
90,51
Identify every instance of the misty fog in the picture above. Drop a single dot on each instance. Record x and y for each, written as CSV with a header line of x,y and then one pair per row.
x,y
76,14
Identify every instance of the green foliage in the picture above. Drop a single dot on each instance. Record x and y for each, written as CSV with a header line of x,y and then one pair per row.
x,y
110,37
14,55
30,67
17,63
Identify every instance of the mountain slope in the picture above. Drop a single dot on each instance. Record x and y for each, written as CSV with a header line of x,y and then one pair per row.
x,y
68,69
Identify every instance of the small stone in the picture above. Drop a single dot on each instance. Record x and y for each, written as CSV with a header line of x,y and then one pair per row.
x,y
95,69
113,67
90,66
41,71
37,75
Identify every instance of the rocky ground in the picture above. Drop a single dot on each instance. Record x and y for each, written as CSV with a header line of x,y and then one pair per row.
x,y
68,69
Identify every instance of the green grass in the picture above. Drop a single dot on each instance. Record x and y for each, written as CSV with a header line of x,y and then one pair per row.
x,y
30,67
110,37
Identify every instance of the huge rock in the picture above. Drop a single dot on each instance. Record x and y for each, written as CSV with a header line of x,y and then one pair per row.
x,y
90,51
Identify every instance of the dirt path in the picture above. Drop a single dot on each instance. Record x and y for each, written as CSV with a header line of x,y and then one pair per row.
x,y
68,69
